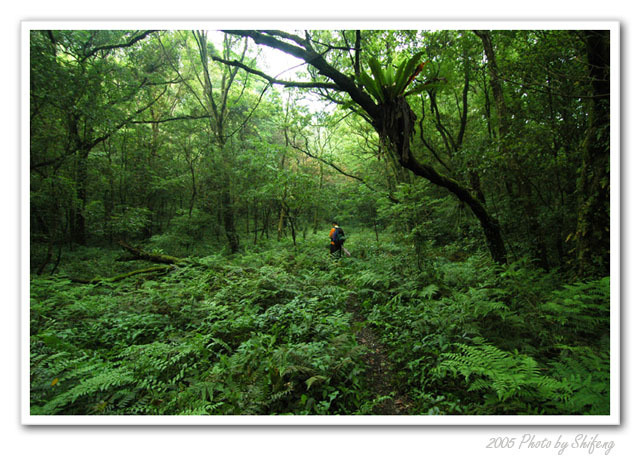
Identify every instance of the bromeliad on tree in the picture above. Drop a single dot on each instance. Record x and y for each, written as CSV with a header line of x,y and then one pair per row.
x,y
389,88
385,85
415,74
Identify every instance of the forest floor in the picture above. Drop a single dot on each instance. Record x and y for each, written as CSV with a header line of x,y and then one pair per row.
x,y
378,373
275,332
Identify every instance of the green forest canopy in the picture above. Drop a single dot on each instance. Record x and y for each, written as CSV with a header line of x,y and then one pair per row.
x,y
133,129
451,144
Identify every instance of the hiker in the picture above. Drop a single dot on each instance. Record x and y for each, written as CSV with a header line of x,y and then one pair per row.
x,y
337,237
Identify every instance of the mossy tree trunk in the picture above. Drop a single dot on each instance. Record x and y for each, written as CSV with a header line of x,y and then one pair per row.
x,y
396,125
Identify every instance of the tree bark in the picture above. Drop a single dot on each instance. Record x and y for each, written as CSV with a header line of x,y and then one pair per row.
x,y
217,120
490,225
78,226
592,234
138,254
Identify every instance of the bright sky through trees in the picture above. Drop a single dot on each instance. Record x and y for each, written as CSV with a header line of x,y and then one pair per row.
x,y
280,65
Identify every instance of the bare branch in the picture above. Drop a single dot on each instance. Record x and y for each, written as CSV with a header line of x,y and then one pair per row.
x,y
331,164
129,43
288,36
310,56
171,119
271,80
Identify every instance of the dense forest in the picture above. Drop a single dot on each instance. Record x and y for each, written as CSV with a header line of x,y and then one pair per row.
x,y
183,189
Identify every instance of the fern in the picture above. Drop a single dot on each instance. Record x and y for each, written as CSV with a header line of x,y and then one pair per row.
x,y
272,331
514,378
105,381
587,371
580,310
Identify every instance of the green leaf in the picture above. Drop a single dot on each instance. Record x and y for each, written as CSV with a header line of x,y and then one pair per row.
x,y
315,379
371,86
407,71
422,87
377,72
412,65
398,83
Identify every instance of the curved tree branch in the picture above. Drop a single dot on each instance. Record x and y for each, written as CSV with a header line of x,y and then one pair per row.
x,y
272,80
305,52
308,153
394,123
129,43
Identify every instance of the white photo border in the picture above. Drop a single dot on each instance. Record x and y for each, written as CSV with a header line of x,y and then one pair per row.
x,y
285,420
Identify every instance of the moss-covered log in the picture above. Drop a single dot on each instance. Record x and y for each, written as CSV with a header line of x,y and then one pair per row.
x,y
139,254
96,280
167,262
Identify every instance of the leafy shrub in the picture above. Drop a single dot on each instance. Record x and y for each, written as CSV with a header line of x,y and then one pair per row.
x,y
129,222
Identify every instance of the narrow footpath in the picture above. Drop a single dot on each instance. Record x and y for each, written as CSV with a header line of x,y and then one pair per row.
x,y
378,373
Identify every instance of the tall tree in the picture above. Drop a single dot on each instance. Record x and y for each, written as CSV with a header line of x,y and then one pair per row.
x,y
217,107
506,150
91,106
391,117
592,234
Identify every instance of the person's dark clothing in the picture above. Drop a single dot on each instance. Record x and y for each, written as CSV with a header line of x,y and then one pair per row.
x,y
336,247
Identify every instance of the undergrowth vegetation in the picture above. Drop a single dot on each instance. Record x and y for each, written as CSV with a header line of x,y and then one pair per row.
x,y
272,330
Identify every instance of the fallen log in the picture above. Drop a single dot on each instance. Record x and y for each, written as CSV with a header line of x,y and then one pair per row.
x,y
168,261
152,269
153,257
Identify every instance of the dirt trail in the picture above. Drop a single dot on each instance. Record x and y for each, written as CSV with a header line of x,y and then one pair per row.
x,y
378,368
